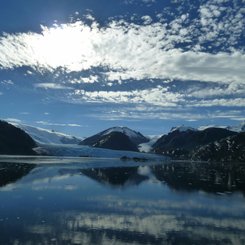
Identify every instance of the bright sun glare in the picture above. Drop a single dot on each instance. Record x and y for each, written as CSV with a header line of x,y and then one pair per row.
x,y
67,45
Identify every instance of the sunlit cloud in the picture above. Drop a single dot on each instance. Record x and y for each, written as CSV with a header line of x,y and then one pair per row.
x,y
144,112
237,102
127,50
52,86
59,124
232,89
90,79
158,219
169,59
156,96
13,120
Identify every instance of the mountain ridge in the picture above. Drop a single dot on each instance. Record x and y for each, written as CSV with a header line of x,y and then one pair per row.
x,y
181,143
46,136
108,138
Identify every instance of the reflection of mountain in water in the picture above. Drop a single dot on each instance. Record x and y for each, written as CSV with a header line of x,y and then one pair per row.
x,y
116,177
215,177
11,172
148,214
189,176
111,176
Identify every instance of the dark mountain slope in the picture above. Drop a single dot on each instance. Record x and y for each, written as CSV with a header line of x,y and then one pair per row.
x,y
116,141
14,141
179,144
212,177
135,137
228,149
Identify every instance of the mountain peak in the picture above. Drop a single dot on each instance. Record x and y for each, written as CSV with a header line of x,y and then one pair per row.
x,y
122,129
182,128
135,137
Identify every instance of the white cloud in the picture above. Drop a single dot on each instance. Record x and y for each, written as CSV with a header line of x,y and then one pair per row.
x,y
132,58
146,112
216,18
232,89
242,119
13,120
148,2
155,96
237,102
51,86
127,50
6,83
90,79
175,64
59,124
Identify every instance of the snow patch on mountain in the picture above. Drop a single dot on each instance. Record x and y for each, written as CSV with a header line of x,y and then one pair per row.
x,y
45,136
182,129
125,130
201,128
147,147
235,128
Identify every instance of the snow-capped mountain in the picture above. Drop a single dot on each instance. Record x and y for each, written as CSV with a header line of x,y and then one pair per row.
x,y
133,137
49,143
116,141
45,136
234,128
182,129
204,127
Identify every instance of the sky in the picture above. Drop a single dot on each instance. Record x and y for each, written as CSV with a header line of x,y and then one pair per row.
x,y
80,67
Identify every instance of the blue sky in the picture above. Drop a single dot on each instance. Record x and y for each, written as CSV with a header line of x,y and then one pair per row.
x,y
82,66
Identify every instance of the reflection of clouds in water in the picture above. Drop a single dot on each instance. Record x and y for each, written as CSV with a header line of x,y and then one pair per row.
x,y
41,229
146,171
81,228
135,221
158,220
148,214
155,225
57,187
172,204
50,179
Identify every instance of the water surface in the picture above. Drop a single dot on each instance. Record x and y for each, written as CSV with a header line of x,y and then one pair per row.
x,y
102,201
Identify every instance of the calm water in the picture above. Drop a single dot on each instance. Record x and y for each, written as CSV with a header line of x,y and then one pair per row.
x,y
91,202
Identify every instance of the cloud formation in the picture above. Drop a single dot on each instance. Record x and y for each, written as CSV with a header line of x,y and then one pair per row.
x,y
156,96
150,50
187,57
59,124
51,86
